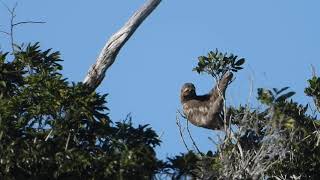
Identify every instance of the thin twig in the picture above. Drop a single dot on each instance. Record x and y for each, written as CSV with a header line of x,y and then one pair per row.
x,y
28,22
13,24
251,89
6,6
49,135
193,141
213,141
160,135
238,144
4,32
313,69
180,131
181,114
67,143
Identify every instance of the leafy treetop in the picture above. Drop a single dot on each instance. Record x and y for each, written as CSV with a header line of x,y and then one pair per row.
x,y
217,64
50,129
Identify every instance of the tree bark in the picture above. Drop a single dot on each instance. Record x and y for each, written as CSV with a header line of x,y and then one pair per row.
x,y
111,49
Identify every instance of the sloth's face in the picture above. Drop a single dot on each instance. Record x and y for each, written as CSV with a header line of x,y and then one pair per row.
x,y
188,89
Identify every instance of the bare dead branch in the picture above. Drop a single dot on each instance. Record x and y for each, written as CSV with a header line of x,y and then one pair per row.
x,y
181,114
5,32
12,16
193,141
11,11
181,131
13,24
111,49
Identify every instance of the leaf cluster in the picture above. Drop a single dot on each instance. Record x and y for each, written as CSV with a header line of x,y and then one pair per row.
x,y
266,96
190,164
217,64
313,90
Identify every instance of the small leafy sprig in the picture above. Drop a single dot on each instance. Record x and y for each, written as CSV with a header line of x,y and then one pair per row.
x,y
313,90
268,97
314,87
217,64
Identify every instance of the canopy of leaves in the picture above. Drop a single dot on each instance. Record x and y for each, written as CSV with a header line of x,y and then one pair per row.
x,y
50,129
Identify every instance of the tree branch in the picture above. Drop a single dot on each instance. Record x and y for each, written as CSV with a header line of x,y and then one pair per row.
x,y
193,141
111,49
13,24
181,130
28,22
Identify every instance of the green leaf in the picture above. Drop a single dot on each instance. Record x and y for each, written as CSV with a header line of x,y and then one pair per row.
x,y
285,96
3,57
283,89
240,62
238,68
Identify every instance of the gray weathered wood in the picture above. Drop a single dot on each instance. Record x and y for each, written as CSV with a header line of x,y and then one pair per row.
x,y
109,53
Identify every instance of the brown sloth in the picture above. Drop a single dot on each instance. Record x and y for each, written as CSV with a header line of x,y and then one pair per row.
x,y
205,110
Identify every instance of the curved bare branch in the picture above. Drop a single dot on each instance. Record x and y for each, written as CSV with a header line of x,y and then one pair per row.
x,y
111,49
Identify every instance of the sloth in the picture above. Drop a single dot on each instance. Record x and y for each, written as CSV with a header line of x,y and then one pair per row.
x,y
205,110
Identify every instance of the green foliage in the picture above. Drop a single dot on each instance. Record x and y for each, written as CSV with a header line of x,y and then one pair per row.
x,y
195,165
301,134
50,129
314,87
217,64
266,96
313,90
184,164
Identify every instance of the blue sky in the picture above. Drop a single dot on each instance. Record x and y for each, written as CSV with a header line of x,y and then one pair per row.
x,y
279,40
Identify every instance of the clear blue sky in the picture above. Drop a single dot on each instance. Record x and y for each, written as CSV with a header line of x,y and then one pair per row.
x,y
279,39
